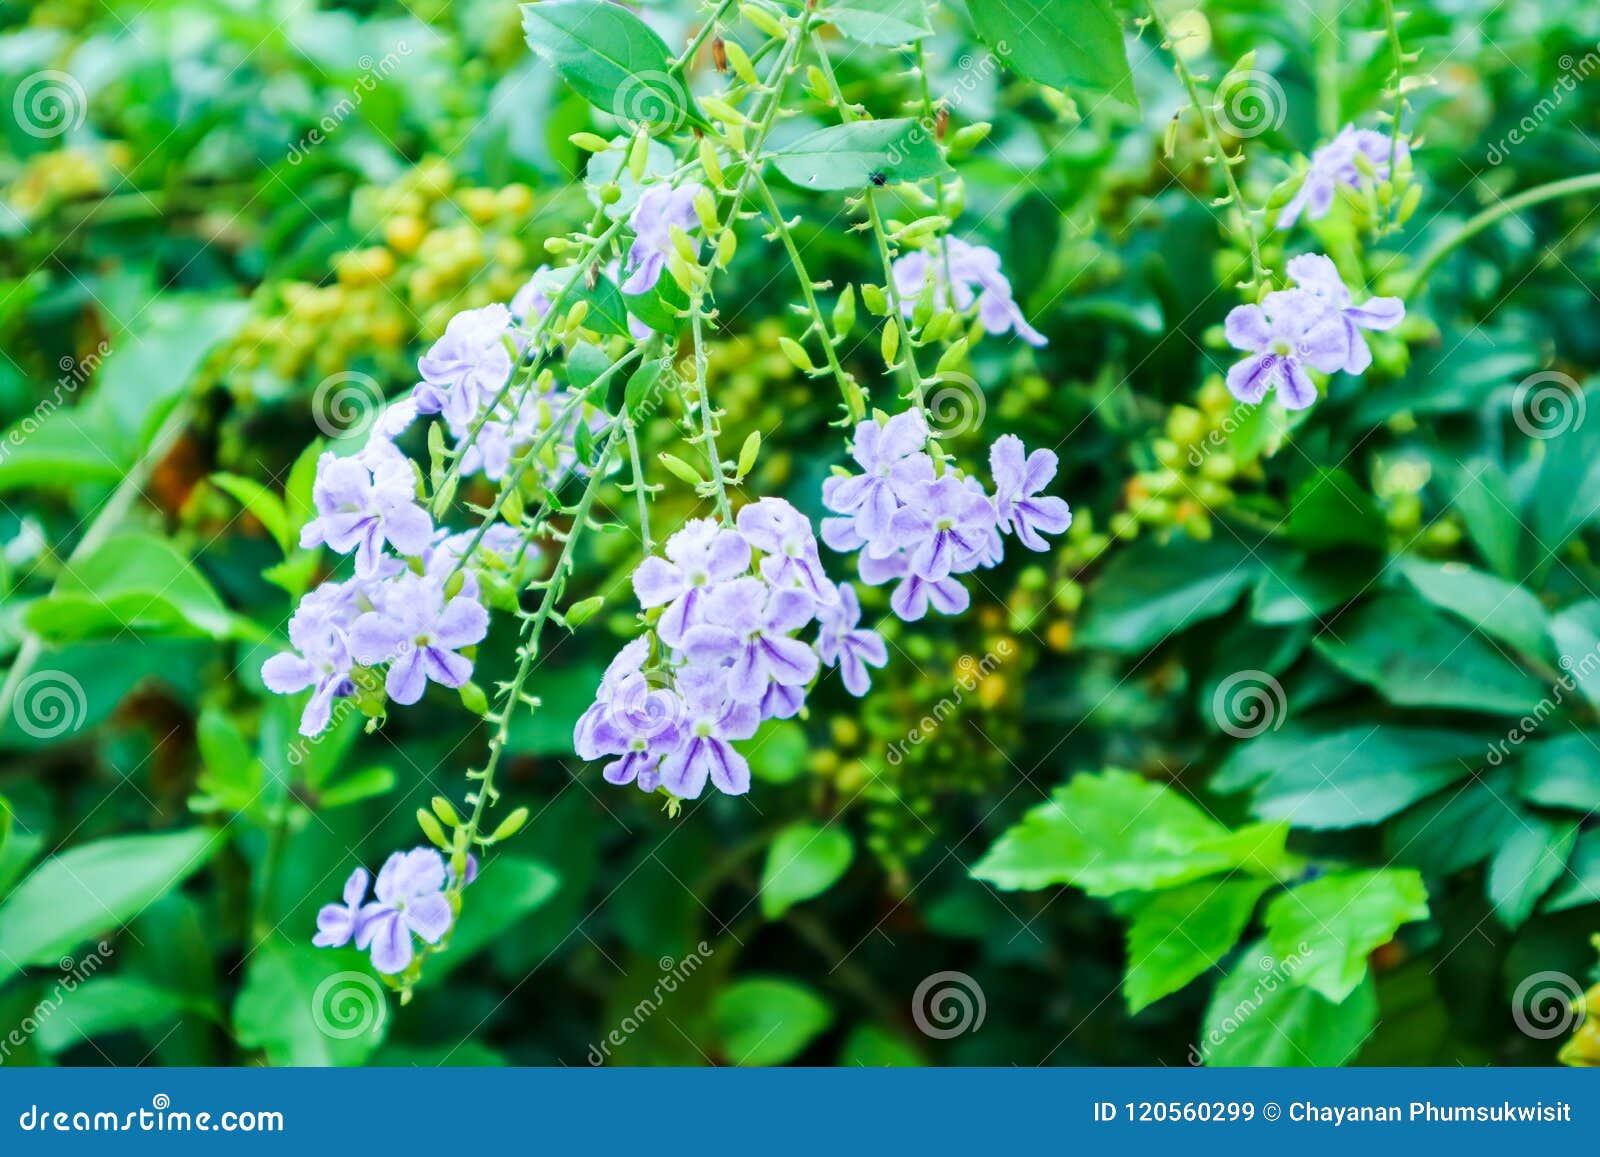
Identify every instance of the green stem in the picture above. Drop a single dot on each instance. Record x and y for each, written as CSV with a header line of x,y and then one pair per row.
x,y
485,793
1555,190
708,434
706,29
851,392
641,491
1258,271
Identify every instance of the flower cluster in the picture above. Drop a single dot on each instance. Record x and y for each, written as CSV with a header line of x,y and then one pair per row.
x,y
1340,162
924,528
661,209
974,276
722,654
410,899
1311,326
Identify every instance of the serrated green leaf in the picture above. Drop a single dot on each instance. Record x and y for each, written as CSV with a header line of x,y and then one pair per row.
x,y
1331,924
1176,935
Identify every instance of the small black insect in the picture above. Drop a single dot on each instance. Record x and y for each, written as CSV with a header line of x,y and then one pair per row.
x,y
879,180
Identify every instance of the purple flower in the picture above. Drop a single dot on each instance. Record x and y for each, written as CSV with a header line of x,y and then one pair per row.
x,y
1018,480
317,632
465,369
660,207
698,557
410,899
975,270
713,720
587,739
945,528
1287,332
841,643
1317,275
784,535
533,300
911,599
419,634
749,623
1334,164
367,501
338,924
893,464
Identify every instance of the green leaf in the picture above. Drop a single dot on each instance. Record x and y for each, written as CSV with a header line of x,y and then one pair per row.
x,y
887,23
768,1021
1329,509
1343,777
1177,934
266,506
1260,1017
109,1004
1076,46
1415,657
1582,881
844,158
804,861
94,888
608,313
1455,829
1150,591
360,785
1563,771
1116,832
1527,864
149,368
60,451
310,1007
1503,610
871,1047
135,582
1331,924
610,57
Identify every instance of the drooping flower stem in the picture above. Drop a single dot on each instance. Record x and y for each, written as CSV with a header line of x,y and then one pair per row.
x,y
702,399
855,403
1246,228
484,795
908,354
1555,190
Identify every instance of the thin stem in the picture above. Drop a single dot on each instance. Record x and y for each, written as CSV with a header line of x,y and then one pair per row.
x,y
1393,25
1328,77
1258,271
1477,224
641,489
908,364
848,388
706,29
485,793
708,437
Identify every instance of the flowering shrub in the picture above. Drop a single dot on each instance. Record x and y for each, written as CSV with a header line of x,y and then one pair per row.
x,y
1064,499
